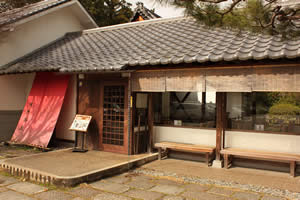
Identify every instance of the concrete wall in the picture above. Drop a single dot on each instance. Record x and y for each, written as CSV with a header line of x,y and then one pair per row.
x,y
67,113
36,33
184,135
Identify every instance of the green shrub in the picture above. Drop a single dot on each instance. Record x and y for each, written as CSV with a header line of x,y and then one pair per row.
x,y
284,109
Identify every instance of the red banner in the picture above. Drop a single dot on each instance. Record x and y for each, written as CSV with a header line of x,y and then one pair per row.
x,y
41,110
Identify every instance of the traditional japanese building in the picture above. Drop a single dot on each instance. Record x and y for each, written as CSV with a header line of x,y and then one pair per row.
x,y
174,80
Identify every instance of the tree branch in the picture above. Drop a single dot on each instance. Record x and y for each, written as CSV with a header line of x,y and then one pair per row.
x,y
230,8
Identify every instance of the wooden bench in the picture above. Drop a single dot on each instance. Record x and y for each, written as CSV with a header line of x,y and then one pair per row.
x,y
228,153
209,151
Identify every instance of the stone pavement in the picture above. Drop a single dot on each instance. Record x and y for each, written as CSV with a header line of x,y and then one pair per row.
x,y
128,186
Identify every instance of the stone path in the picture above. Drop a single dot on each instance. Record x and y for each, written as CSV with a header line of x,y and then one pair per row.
x,y
127,186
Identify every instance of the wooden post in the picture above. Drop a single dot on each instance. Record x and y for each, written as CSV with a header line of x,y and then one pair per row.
x,y
203,106
224,115
133,113
150,121
221,110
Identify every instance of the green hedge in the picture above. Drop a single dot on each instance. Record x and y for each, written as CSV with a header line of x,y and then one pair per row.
x,y
284,109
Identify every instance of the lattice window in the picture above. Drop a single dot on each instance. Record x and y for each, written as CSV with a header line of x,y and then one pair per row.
x,y
113,115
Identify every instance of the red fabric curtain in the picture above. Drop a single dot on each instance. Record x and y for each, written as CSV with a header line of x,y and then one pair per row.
x,y
41,110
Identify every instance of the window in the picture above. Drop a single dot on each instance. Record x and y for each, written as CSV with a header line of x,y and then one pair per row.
x,y
264,111
196,109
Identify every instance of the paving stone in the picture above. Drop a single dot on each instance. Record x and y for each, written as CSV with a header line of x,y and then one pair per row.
x,y
3,189
196,187
168,182
84,192
11,195
110,187
78,198
272,198
246,196
221,191
167,189
202,196
141,184
27,188
141,177
108,196
6,180
141,194
119,179
173,198
53,194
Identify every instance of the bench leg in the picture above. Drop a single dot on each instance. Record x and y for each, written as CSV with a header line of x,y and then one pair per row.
x,y
159,153
207,158
292,168
226,161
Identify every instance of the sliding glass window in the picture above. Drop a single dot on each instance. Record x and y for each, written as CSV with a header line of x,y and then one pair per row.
x,y
264,111
190,109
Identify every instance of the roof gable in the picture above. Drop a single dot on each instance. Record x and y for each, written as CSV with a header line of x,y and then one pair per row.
x,y
17,15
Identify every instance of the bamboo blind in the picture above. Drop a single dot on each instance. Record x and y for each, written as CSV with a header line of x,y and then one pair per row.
x,y
149,82
280,79
228,80
276,79
192,81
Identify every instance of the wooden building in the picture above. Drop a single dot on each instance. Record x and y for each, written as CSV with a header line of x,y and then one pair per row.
x,y
173,80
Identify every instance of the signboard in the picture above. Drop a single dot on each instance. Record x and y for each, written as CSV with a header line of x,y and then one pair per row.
x,y
81,123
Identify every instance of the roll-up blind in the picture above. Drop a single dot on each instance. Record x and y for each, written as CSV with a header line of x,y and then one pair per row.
x,y
185,81
149,82
228,80
281,79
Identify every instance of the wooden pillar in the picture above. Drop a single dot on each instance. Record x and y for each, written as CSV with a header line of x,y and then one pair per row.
x,y
224,115
203,105
150,122
133,113
220,126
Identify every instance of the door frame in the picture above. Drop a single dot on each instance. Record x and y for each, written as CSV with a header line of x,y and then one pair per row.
x,y
109,147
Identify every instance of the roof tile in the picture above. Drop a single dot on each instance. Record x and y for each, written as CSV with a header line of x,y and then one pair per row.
x,y
153,42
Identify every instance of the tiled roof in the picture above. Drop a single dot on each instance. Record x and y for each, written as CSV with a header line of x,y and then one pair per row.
x,y
17,14
152,42
144,12
4,6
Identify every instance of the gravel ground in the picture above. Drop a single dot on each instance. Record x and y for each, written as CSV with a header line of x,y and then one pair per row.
x,y
252,188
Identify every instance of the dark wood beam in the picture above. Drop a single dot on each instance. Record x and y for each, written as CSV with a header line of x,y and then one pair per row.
x,y
133,114
220,126
150,121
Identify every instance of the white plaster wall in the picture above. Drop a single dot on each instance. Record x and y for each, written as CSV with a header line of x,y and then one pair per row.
x,y
67,112
15,90
262,141
184,135
36,33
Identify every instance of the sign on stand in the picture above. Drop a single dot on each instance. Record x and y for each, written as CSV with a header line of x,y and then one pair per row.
x,y
80,124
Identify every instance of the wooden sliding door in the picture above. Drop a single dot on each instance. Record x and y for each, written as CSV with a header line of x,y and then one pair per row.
x,y
114,117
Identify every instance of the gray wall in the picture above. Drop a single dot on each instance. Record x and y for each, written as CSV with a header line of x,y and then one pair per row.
x,y
8,123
